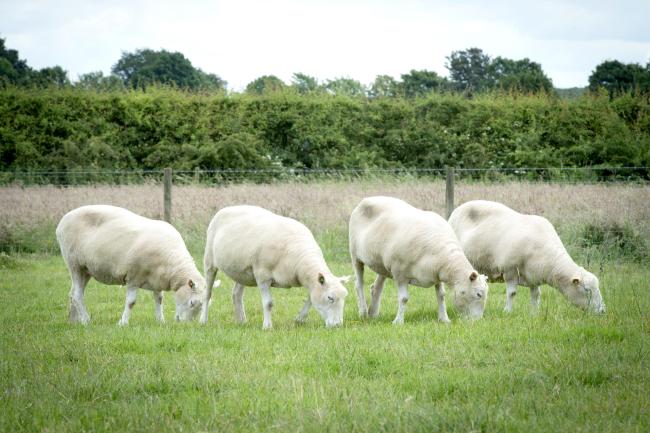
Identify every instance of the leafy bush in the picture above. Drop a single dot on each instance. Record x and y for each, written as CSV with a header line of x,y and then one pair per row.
x,y
71,129
615,240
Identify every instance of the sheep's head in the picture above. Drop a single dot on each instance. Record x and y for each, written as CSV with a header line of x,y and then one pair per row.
x,y
582,290
189,298
328,297
470,295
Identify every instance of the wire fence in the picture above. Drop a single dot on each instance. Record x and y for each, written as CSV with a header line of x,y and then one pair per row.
x,y
608,204
74,177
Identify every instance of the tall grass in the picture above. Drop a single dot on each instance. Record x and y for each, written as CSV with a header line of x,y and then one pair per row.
x,y
28,215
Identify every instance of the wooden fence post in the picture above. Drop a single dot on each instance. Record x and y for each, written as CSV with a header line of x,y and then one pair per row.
x,y
449,190
167,188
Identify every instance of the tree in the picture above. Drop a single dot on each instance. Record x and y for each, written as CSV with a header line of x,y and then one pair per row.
x,y
521,75
13,70
210,81
617,77
97,81
304,83
384,86
51,76
420,83
265,84
473,70
145,67
470,70
345,86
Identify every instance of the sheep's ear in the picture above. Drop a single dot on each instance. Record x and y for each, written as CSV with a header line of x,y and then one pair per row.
x,y
576,280
344,279
321,278
473,276
191,284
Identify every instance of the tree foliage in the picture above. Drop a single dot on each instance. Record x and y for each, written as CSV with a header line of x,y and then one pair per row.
x,y
345,86
519,75
618,78
421,83
99,82
145,67
304,83
472,70
14,71
384,86
265,84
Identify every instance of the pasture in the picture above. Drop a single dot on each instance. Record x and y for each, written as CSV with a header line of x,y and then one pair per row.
x,y
557,370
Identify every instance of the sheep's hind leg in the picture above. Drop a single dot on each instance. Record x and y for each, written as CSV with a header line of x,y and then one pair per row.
x,y
376,290
158,310
128,305
402,300
238,303
77,311
210,274
511,291
267,303
361,297
535,297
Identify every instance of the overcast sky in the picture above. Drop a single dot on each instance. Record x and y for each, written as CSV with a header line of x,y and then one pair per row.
x,y
244,39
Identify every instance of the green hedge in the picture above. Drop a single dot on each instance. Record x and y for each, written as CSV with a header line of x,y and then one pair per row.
x,y
75,129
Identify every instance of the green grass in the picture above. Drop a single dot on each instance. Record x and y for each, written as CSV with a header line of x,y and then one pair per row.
x,y
558,370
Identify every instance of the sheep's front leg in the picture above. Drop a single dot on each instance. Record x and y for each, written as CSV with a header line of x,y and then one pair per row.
x,y
238,303
361,297
402,300
267,303
442,307
128,305
158,310
376,290
302,315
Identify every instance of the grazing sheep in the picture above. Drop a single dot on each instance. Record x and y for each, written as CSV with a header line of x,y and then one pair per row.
x,y
256,247
525,250
116,246
412,246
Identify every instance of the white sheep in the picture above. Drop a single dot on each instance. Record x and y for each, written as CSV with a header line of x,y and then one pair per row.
x,y
412,246
256,247
116,246
524,250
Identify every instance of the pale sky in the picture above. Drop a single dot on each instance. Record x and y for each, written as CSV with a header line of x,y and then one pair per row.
x,y
242,40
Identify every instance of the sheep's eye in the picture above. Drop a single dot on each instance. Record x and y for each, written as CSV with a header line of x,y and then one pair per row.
x,y
331,299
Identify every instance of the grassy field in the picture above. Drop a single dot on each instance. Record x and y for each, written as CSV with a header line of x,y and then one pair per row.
x,y
558,370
